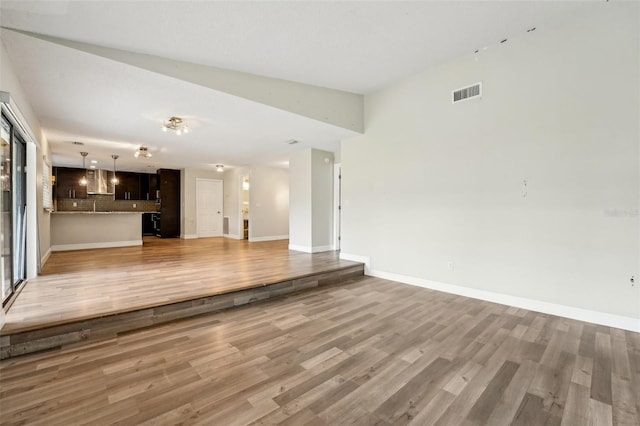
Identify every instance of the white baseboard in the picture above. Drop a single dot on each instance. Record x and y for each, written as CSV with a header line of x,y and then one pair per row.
x,y
189,236
595,317
45,257
307,249
269,238
356,258
234,236
86,246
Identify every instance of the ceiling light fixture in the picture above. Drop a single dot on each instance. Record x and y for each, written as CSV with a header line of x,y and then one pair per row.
x,y
114,179
83,180
176,125
143,152
219,167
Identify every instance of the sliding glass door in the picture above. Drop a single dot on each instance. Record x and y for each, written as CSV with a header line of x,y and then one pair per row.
x,y
19,209
13,229
6,228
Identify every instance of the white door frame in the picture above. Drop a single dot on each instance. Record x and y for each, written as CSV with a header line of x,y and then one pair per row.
x,y
337,205
241,206
221,202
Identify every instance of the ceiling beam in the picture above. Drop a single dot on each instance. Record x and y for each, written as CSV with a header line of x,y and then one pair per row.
x,y
335,107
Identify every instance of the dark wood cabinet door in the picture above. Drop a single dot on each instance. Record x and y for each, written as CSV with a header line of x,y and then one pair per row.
x,y
121,187
68,183
128,187
148,186
134,186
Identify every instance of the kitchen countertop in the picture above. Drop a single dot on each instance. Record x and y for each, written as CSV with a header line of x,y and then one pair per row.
x,y
90,212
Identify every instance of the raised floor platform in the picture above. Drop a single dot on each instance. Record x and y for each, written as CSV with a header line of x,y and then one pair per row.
x,y
90,295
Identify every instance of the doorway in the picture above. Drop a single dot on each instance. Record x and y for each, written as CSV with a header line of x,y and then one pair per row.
x,y
244,207
209,207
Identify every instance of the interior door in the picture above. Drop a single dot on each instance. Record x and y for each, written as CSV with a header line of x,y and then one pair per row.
x,y
209,208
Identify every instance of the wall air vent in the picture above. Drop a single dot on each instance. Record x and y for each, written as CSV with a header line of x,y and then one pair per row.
x,y
469,92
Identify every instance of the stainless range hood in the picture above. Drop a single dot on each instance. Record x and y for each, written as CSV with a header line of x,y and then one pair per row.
x,y
99,182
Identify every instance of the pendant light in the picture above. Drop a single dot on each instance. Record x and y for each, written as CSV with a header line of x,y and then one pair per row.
x,y
83,180
114,179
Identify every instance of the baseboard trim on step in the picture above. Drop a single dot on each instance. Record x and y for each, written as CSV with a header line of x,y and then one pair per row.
x,y
357,258
269,238
307,249
233,236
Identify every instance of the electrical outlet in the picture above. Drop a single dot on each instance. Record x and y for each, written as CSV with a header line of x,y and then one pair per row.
x,y
632,280
134,205
75,204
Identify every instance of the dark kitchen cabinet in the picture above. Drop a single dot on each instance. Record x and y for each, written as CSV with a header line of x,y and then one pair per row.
x,y
169,186
148,186
136,186
128,187
68,183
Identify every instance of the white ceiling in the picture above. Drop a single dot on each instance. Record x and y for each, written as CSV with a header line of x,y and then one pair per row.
x,y
352,46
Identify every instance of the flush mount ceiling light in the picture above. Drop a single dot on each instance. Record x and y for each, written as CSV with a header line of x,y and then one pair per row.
x,y
219,167
143,152
176,125
83,180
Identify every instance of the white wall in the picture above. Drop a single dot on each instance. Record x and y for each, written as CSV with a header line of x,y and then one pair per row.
x,y
300,205
431,183
269,202
311,200
21,106
10,83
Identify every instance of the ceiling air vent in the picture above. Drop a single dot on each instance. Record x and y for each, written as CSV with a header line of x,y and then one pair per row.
x,y
469,92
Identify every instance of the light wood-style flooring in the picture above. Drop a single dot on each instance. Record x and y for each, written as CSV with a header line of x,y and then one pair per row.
x,y
368,352
76,285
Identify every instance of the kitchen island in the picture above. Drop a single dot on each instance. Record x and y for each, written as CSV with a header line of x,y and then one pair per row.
x,y
78,230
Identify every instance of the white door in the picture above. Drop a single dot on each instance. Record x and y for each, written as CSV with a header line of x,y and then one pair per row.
x,y
209,207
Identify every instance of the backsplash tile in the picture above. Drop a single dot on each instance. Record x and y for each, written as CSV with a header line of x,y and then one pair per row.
x,y
104,203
